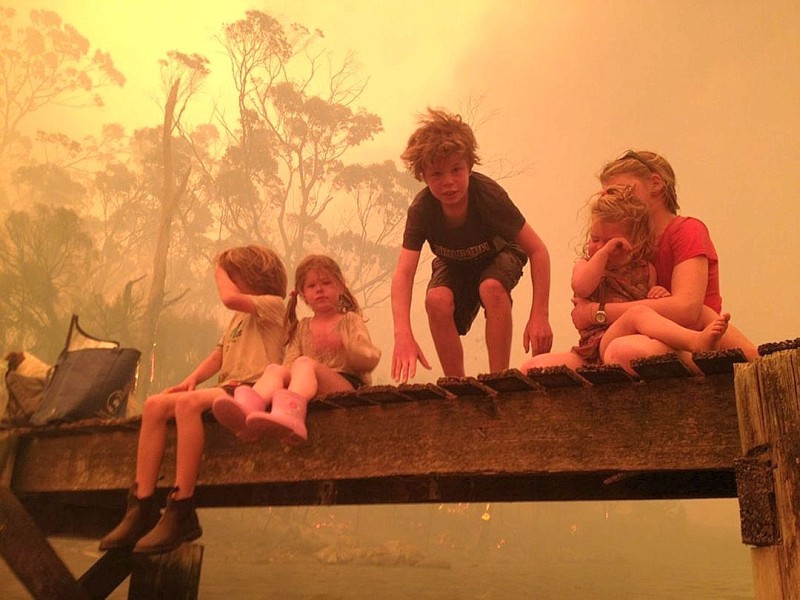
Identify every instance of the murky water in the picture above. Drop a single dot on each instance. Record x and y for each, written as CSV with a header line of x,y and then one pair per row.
x,y
596,551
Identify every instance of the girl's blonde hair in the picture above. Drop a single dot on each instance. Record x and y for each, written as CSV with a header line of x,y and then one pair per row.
x,y
317,262
258,266
641,164
440,135
617,204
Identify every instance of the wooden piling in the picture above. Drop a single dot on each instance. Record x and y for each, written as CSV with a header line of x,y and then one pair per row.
x,y
170,576
768,405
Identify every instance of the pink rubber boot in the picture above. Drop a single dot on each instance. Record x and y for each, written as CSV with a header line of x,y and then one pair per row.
x,y
232,412
287,421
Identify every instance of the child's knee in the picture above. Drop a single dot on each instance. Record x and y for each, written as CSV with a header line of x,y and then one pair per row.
x,y
156,408
493,294
439,302
187,405
618,352
275,371
304,364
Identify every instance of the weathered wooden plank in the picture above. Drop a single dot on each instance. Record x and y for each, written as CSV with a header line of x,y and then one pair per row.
x,y
556,377
772,347
30,557
345,400
768,399
382,394
675,425
106,575
717,362
465,386
424,391
665,366
511,380
605,374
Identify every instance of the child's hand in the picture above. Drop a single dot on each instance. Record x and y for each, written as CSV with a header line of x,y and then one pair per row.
x,y
617,247
187,385
404,359
658,292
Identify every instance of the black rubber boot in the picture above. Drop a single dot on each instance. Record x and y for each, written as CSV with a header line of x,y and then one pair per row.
x,y
177,525
140,517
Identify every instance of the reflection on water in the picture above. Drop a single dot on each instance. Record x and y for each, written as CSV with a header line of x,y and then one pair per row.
x,y
597,550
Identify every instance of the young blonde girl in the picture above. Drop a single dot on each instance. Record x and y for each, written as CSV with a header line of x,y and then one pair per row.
x,y
251,281
614,267
328,352
685,259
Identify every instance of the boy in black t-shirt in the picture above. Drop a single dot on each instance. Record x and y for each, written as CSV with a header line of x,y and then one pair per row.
x,y
481,242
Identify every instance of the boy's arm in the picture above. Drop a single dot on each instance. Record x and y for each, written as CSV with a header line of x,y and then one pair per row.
x,y
538,336
406,350
230,295
684,306
205,369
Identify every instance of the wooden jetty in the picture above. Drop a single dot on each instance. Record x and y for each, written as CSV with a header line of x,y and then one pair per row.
x,y
550,434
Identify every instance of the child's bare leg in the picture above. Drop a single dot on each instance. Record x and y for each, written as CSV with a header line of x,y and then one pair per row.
x,y
440,305
645,321
553,359
274,377
732,338
330,381
304,377
288,415
497,304
624,349
191,437
158,409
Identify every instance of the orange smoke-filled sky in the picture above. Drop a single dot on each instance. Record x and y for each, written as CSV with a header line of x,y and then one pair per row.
x,y
565,85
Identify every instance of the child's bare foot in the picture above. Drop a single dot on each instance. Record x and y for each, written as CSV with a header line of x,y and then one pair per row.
x,y
710,336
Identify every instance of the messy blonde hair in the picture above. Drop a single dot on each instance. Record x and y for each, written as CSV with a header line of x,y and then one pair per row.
x,y
440,135
258,266
317,262
618,205
641,164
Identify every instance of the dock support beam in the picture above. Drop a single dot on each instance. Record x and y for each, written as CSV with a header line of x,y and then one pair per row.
x,y
768,405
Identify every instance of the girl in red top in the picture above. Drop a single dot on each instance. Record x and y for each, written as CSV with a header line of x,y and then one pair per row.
x,y
686,263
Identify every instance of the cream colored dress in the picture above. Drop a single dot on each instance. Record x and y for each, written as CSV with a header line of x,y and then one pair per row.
x,y
357,355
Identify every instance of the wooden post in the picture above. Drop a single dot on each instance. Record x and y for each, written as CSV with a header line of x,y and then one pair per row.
x,y
30,557
768,404
170,576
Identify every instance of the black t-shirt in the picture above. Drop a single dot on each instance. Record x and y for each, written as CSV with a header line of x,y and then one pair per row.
x,y
492,222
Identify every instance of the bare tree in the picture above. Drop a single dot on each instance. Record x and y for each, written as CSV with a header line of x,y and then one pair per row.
x,y
296,121
47,62
182,76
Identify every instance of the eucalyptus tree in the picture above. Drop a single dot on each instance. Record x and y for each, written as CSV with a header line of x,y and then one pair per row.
x,y
45,63
284,179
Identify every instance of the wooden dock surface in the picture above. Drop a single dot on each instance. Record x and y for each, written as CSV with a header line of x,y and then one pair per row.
x,y
505,437
549,434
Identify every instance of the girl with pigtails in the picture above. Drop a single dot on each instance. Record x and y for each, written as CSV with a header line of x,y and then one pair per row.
x,y
330,351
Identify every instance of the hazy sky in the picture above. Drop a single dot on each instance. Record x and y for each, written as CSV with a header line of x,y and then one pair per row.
x,y
565,86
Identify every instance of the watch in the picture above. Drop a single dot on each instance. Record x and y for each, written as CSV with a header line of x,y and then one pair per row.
x,y
600,316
